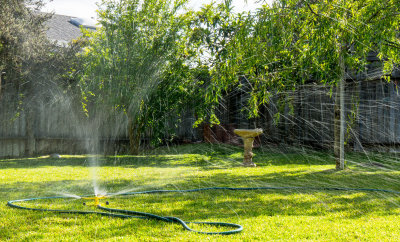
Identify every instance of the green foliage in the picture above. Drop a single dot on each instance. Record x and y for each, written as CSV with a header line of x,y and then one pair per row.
x,y
129,53
35,68
141,62
293,42
149,60
22,39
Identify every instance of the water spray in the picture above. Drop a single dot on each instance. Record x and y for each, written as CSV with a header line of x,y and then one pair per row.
x,y
112,212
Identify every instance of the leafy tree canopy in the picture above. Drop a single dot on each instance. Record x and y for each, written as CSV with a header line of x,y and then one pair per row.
x,y
21,37
283,46
136,63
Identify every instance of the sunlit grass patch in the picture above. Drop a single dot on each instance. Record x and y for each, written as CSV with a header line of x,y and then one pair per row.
x,y
279,214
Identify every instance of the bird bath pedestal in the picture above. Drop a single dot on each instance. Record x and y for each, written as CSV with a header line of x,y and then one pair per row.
x,y
248,136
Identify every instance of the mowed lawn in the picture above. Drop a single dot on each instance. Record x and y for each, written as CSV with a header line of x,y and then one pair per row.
x,y
282,214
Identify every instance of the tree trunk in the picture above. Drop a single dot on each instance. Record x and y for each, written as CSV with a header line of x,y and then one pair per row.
x,y
342,110
339,115
134,136
336,130
1,72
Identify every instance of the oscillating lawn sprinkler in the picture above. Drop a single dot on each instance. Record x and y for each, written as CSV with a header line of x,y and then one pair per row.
x,y
96,199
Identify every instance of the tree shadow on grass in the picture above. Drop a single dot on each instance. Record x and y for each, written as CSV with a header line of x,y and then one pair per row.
x,y
162,161
19,190
218,205
44,161
294,201
204,156
357,177
87,161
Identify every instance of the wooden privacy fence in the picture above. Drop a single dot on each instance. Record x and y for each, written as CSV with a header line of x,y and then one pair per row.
x,y
306,117
60,126
53,126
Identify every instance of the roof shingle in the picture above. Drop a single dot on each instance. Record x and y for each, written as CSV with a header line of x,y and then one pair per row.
x,y
60,29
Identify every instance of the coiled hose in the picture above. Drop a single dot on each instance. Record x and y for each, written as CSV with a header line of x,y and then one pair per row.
x,y
119,213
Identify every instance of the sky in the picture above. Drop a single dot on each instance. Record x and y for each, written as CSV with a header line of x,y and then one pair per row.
x,y
87,8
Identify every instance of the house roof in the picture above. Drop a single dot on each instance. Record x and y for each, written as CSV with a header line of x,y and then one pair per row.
x,y
64,29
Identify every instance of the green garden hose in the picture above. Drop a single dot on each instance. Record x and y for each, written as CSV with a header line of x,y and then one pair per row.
x,y
129,214
119,213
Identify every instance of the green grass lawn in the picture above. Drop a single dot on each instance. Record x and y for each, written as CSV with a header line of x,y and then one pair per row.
x,y
295,214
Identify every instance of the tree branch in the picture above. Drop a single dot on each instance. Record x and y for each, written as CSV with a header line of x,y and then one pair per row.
x,y
378,11
392,44
309,7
